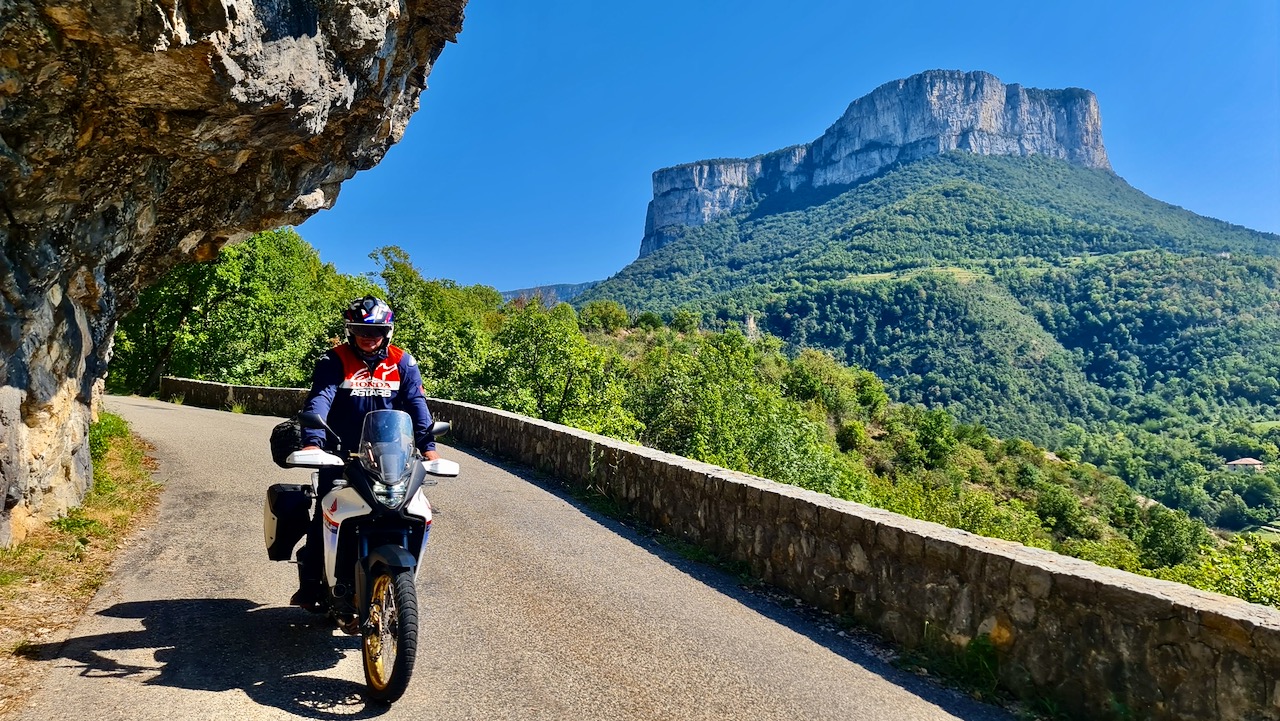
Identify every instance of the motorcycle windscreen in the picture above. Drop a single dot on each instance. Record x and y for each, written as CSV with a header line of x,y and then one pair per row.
x,y
386,445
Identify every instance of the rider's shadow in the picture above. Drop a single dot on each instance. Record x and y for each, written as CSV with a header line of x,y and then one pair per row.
x,y
270,653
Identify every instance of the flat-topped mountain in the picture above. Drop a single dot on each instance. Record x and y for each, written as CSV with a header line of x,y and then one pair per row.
x,y
968,242
926,114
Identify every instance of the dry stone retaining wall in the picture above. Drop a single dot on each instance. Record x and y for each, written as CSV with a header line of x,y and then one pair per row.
x,y
1095,641
251,399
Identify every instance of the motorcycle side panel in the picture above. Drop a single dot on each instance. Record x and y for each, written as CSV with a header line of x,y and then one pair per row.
x,y
285,517
420,507
341,504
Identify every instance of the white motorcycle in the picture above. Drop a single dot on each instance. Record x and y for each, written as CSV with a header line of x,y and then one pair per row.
x,y
376,521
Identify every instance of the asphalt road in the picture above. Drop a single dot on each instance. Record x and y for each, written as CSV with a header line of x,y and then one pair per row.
x,y
533,608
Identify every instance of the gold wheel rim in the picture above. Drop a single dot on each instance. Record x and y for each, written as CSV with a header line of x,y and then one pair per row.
x,y
380,643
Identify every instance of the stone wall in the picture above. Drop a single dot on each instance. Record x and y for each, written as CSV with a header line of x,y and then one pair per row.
x,y
251,399
1097,642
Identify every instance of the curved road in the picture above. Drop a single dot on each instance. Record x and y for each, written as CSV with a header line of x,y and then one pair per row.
x,y
534,608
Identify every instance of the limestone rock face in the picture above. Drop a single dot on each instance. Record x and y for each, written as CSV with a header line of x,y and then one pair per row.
x,y
926,114
138,135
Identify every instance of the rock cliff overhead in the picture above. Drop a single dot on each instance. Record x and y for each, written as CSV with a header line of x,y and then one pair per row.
x,y
926,114
138,135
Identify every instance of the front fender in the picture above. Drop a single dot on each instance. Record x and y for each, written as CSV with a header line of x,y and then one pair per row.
x,y
389,555
392,557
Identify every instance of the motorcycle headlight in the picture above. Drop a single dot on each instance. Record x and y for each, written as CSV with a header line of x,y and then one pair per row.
x,y
389,496
389,492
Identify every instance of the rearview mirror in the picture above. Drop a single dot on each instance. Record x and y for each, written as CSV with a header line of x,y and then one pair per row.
x,y
439,428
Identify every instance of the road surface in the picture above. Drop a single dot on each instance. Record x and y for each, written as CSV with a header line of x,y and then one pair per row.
x,y
533,608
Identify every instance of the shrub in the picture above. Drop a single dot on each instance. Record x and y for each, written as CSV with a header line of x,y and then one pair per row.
x,y
648,320
685,321
108,426
603,315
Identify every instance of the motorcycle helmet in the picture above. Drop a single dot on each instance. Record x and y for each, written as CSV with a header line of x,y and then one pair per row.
x,y
369,317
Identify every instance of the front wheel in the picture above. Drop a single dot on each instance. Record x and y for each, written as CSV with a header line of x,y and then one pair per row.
x,y
391,635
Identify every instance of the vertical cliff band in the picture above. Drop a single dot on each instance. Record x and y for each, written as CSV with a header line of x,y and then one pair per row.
x,y
926,114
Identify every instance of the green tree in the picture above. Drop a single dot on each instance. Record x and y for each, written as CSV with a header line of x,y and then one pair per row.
x,y
258,314
604,315
158,327
444,325
685,320
544,367
937,437
1248,567
1233,512
712,399
842,392
1059,508
853,436
648,320
1169,538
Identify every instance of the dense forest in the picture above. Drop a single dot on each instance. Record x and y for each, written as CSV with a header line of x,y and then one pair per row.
x,y
265,309
1026,295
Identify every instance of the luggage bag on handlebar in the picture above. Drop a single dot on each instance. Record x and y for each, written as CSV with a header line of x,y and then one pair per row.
x,y
285,439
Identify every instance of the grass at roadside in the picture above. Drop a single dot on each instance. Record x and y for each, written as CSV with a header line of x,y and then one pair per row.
x,y
48,578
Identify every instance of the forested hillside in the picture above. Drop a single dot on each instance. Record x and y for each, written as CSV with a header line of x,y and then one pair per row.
x,y
717,396
953,207
1036,298
962,343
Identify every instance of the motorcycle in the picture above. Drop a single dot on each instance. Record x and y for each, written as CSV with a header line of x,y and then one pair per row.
x,y
375,526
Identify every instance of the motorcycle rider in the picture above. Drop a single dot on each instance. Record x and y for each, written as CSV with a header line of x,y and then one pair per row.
x,y
364,374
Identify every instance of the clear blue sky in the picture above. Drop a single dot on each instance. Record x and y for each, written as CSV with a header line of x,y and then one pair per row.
x,y
530,160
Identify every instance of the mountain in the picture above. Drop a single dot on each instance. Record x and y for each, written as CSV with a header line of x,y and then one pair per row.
x,y
956,207
924,115
561,291
969,243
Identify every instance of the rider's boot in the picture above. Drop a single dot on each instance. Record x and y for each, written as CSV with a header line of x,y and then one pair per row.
x,y
310,593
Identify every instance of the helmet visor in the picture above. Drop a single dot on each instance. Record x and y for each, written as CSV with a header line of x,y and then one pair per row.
x,y
368,331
